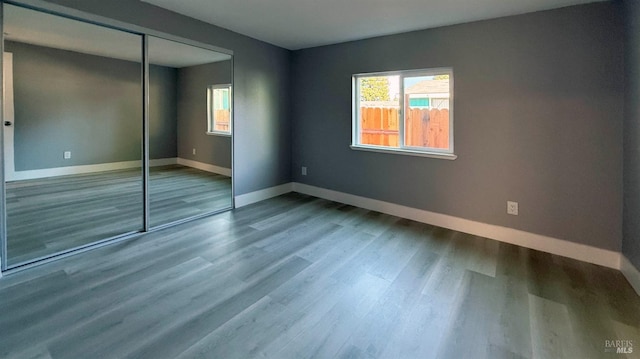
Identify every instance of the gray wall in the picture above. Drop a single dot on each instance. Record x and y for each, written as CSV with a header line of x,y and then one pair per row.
x,y
538,120
262,142
65,100
163,112
192,114
538,116
89,105
631,228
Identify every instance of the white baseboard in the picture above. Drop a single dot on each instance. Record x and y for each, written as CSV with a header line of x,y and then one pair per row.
x,y
257,196
75,170
631,273
163,162
101,167
205,167
560,247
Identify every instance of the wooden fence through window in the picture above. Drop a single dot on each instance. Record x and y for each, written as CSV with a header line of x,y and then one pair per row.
x,y
222,120
423,127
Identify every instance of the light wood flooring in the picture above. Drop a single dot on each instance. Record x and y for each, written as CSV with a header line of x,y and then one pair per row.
x,y
299,277
50,215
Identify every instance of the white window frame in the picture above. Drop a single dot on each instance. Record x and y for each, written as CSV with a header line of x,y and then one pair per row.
x,y
211,121
402,149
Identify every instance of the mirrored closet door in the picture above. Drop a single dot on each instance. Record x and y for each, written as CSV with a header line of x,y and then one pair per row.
x,y
72,134
102,142
190,98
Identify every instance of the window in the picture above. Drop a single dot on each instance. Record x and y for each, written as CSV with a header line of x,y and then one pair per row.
x,y
219,109
408,112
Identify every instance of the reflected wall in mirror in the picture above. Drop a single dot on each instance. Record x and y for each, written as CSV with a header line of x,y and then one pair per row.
x,y
73,130
189,131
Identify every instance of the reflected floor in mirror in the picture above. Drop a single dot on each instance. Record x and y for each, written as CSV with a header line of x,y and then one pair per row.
x,y
49,215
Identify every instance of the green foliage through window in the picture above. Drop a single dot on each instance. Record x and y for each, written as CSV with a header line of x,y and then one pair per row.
x,y
374,89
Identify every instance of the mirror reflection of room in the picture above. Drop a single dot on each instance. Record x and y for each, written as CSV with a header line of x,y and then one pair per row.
x,y
189,131
73,133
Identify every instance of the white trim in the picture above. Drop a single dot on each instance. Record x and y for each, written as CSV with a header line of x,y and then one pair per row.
x,y
205,167
211,118
218,133
631,273
557,246
404,151
260,195
163,162
101,167
75,170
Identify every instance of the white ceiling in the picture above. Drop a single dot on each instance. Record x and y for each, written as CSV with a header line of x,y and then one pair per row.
x,y
42,29
296,24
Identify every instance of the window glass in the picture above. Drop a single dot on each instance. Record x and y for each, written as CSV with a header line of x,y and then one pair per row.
x,y
408,110
219,102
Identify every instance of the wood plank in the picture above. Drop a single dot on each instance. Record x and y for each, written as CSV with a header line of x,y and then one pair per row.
x,y
295,276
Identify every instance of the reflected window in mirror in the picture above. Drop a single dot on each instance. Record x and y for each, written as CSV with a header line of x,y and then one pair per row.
x,y
219,109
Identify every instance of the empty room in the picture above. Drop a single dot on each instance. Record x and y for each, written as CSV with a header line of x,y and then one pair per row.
x,y
315,179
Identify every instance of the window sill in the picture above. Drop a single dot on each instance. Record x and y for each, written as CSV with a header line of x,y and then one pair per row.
x,y
215,133
442,156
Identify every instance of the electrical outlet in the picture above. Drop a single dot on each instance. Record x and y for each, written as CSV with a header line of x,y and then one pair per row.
x,y
304,171
512,208
194,151
67,155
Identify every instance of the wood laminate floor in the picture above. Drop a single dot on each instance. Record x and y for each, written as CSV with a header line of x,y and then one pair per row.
x,y
299,277
50,215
